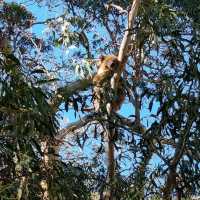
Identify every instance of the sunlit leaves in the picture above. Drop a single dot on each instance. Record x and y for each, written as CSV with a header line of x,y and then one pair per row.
x,y
83,68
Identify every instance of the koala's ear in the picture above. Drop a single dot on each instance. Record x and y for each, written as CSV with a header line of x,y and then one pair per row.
x,y
101,58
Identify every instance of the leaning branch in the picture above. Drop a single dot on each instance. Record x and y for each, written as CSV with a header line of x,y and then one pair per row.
x,y
127,36
74,126
123,51
68,90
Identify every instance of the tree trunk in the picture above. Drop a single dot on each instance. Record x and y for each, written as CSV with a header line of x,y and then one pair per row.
x,y
110,191
45,167
170,184
20,190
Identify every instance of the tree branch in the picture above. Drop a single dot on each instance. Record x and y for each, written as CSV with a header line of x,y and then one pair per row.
x,y
68,90
117,7
126,39
122,55
72,127
171,177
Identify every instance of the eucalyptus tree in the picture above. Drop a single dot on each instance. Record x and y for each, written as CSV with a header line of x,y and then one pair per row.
x,y
157,145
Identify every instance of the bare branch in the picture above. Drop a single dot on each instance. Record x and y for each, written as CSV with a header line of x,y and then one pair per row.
x,y
72,127
75,126
126,38
68,90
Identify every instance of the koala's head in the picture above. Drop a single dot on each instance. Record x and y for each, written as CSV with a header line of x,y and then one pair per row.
x,y
110,62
